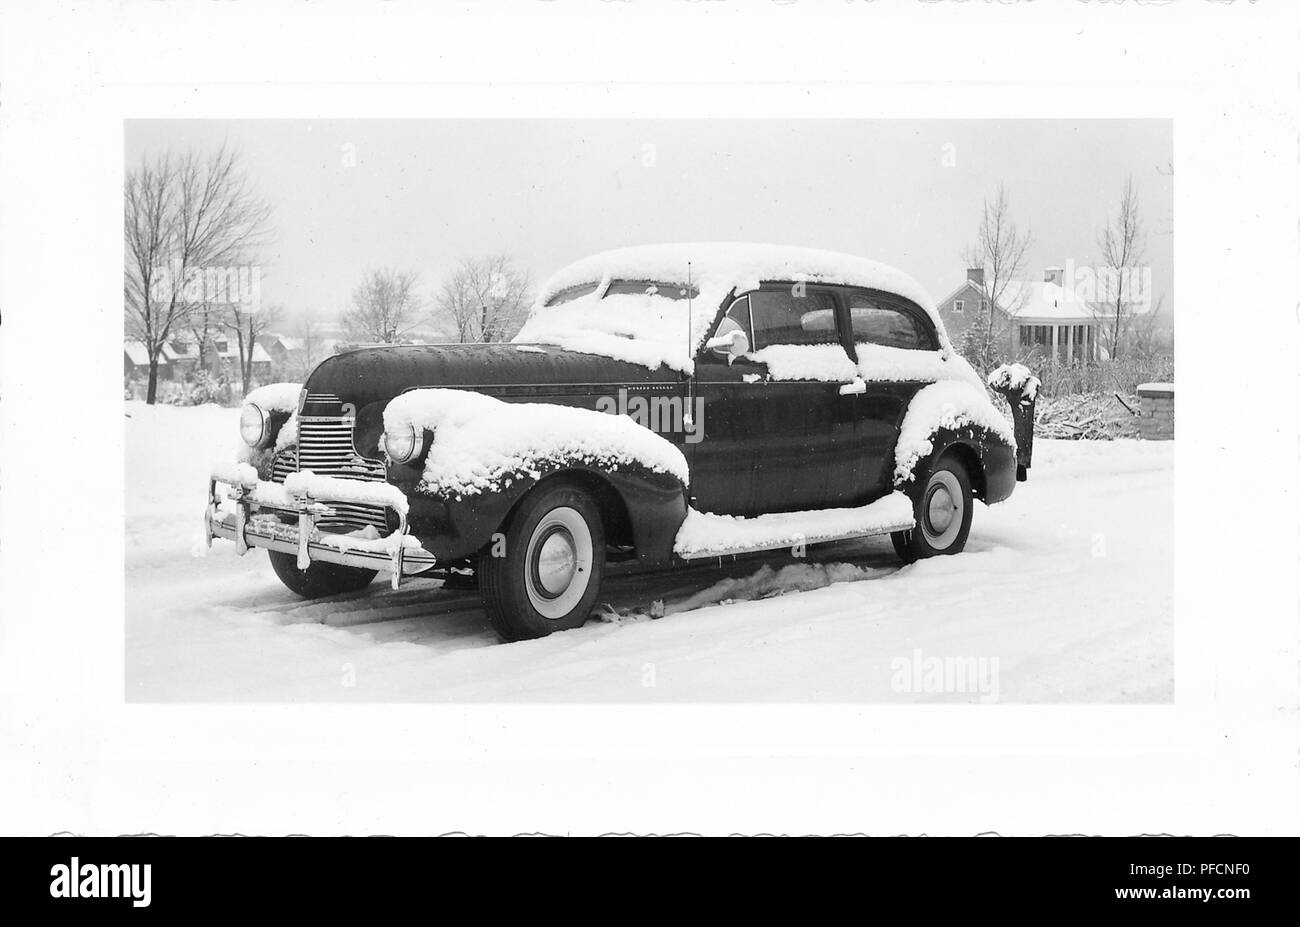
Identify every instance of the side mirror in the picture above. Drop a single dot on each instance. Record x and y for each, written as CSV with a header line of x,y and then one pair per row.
x,y
733,344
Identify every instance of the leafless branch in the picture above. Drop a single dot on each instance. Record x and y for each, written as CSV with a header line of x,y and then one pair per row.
x,y
485,299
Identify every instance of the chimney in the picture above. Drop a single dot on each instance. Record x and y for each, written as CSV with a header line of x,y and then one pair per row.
x,y
1054,275
975,275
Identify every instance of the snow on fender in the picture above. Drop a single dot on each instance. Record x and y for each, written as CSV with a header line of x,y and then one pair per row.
x,y
482,443
948,404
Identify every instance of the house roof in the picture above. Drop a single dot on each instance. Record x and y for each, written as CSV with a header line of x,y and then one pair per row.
x,y
138,354
957,290
189,349
287,342
1036,299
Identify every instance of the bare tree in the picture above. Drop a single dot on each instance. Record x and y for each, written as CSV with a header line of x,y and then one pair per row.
x,y
384,306
186,218
203,321
1147,338
1000,251
1123,249
312,350
152,310
485,299
248,323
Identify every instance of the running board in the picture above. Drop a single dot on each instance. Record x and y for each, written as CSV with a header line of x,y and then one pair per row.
x,y
704,535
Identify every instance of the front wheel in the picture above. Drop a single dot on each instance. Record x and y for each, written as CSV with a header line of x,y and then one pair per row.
x,y
320,578
943,510
548,576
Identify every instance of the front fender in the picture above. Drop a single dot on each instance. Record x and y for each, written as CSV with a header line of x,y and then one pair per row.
x,y
648,506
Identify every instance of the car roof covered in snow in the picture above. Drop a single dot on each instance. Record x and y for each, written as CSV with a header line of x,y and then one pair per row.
x,y
740,264
716,268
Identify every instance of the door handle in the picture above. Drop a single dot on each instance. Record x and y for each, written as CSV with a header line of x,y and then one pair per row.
x,y
856,388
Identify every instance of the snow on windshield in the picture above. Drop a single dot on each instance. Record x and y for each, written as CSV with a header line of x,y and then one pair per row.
x,y
644,329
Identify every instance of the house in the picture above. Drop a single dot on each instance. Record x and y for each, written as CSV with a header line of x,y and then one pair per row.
x,y
281,348
136,361
1042,318
220,357
293,356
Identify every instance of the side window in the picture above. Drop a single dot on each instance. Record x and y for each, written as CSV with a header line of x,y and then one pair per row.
x,y
875,321
737,319
781,317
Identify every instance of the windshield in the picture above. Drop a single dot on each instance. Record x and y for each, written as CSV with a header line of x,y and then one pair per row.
x,y
650,288
572,293
625,288
640,321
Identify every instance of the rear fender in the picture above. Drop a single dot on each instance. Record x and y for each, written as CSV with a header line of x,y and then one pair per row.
x,y
989,460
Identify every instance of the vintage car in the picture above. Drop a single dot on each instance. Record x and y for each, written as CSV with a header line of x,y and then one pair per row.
x,y
661,404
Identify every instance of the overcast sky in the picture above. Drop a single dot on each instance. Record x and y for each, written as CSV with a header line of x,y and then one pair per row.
x,y
421,194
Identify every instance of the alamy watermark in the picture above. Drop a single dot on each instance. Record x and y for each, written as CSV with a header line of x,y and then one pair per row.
x,y
1092,284
76,879
661,414
238,285
946,675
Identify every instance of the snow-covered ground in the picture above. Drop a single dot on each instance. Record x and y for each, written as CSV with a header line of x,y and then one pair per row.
x,y
1065,594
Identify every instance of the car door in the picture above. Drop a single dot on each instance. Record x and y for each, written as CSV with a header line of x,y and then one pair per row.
x,y
889,321
778,434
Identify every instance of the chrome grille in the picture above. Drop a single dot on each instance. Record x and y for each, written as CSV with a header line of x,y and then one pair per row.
x,y
325,448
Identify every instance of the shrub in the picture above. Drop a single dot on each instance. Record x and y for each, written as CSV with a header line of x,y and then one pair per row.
x,y
1122,375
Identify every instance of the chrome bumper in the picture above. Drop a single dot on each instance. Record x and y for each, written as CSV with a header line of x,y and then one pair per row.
x,y
257,523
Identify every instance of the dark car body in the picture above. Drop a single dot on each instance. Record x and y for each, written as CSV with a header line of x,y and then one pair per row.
x,y
769,445
789,396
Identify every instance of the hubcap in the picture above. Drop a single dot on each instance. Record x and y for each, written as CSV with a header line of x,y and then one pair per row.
x,y
943,511
557,561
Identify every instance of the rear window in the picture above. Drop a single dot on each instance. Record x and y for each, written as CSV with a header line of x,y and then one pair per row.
x,y
876,321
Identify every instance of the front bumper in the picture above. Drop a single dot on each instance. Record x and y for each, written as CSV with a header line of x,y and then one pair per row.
x,y
253,513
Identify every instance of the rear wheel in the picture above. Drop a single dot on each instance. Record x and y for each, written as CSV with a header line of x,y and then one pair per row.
x,y
943,509
320,578
549,576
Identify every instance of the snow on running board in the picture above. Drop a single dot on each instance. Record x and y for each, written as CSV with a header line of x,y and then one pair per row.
x,y
704,535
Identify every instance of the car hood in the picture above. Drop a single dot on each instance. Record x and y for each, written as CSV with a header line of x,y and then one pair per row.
x,y
380,373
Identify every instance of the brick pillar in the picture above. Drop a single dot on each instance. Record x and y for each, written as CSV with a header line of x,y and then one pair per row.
x,y
1156,415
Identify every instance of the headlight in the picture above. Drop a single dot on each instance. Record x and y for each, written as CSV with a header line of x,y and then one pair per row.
x,y
253,424
402,446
